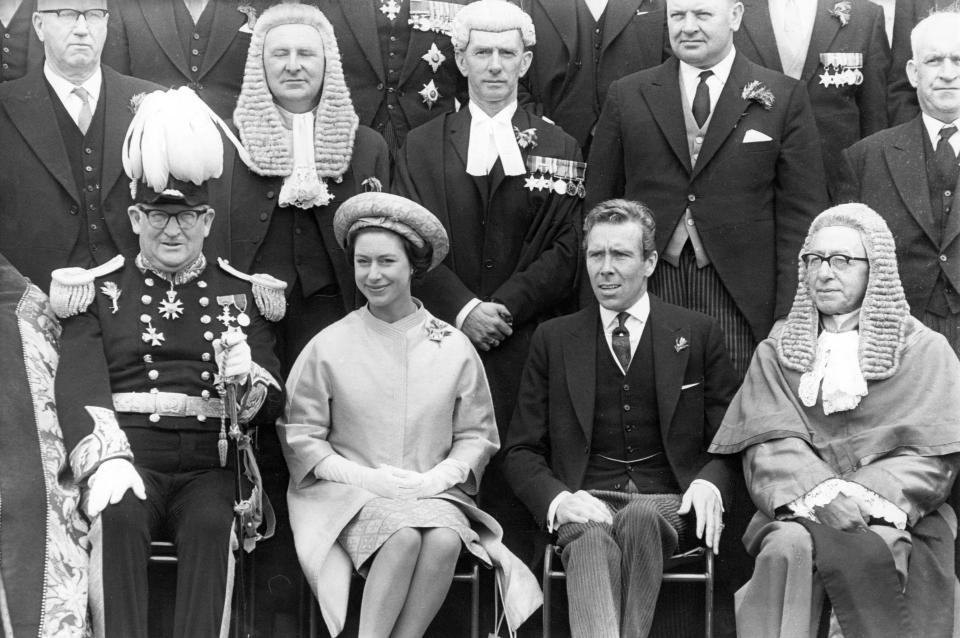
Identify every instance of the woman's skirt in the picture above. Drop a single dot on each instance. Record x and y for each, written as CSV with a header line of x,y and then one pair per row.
x,y
381,517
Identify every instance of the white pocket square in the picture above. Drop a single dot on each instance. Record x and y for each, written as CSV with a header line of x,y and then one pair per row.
x,y
689,385
753,135
642,13
245,28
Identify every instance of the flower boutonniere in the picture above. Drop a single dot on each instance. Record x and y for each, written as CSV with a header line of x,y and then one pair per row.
x,y
755,91
841,11
681,344
526,138
372,185
111,290
437,330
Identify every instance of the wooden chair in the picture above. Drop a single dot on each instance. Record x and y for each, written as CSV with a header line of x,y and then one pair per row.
x,y
553,570
467,571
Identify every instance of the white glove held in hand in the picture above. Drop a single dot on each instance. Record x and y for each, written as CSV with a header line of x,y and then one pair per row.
x,y
388,481
110,482
442,477
233,357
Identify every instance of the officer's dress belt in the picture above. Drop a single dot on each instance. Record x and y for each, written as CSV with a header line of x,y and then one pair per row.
x,y
174,404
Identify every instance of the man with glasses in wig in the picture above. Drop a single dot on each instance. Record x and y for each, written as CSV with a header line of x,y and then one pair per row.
x,y
848,425
62,199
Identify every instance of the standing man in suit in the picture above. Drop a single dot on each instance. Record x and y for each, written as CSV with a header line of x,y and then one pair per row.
x,y
398,61
615,413
197,43
725,152
839,50
504,185
20,49
909,174
62,199
583,46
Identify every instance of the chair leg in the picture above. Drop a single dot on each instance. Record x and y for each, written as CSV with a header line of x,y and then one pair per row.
x,y
546,586
708,596
475,602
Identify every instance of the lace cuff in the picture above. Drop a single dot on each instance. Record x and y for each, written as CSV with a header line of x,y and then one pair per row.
x,y
107,441
877,506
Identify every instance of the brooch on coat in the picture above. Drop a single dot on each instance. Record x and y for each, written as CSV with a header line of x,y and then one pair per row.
x,y
434,57
755,91
430,94
437,330
841,11
681,344
112,290
371,185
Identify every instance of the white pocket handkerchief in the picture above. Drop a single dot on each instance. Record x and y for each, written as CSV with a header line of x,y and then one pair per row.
x,y
689,385
245,28
753,135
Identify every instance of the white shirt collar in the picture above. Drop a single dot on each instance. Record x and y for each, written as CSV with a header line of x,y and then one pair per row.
x,y
933,126
690,75
503,115
639,311
64,89
841,323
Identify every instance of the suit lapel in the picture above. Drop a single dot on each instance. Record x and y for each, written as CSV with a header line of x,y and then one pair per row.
x,y
618,16
460,140
521,120
662,96
226,23
563,15
905,160
669,360
117,115
33,115
418,45
163,24
730,106
363,23
580,367
758,27
825,29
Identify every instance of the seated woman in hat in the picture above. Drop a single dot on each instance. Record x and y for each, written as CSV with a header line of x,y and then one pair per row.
x,y
388,428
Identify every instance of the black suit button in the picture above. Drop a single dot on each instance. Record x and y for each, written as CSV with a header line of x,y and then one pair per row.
x,y
488,264
270,194
626,387
264,217
74,210
380,86
691,197
626,408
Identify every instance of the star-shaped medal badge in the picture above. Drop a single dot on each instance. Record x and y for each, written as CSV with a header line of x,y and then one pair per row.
x,y
434,57
531,182
430,94
390,9
826,79
171,308
152,337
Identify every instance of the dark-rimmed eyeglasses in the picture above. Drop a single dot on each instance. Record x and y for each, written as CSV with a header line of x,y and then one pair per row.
x,y
837,263
186,219
73,15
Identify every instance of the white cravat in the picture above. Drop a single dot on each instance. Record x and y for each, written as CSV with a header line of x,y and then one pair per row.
x,y
303,188
792,26
490,138
596,7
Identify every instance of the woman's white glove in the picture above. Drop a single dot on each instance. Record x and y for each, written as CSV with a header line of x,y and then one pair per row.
x,y
233,357
442,477
386,480
110,482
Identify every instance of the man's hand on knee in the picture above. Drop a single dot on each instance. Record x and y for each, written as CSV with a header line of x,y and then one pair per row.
x,y
709,513
843,513
110,482
583,507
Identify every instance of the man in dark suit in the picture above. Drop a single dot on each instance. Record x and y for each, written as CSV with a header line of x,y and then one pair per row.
x,y
63,200
909,175
21,51
839,50
615,413
583,46
197,43
398,61
492,174
728,161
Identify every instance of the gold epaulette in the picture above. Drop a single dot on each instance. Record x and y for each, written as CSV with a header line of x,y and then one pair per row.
x,y
267,291
71,289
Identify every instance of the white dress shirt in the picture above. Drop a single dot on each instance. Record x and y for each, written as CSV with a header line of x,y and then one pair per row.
x,y
64,90
690,78
933,126
596,7
792,26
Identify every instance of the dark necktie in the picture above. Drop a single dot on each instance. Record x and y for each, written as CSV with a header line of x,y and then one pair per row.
x,y
945,157
701,100
621,342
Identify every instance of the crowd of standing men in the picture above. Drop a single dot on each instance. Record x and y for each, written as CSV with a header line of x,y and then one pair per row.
x,y
735,123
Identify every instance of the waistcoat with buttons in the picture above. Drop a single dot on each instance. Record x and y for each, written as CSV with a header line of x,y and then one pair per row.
x,y
589,41
943,299
295,235
85,153
194,38
14,41
394,41
626,424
